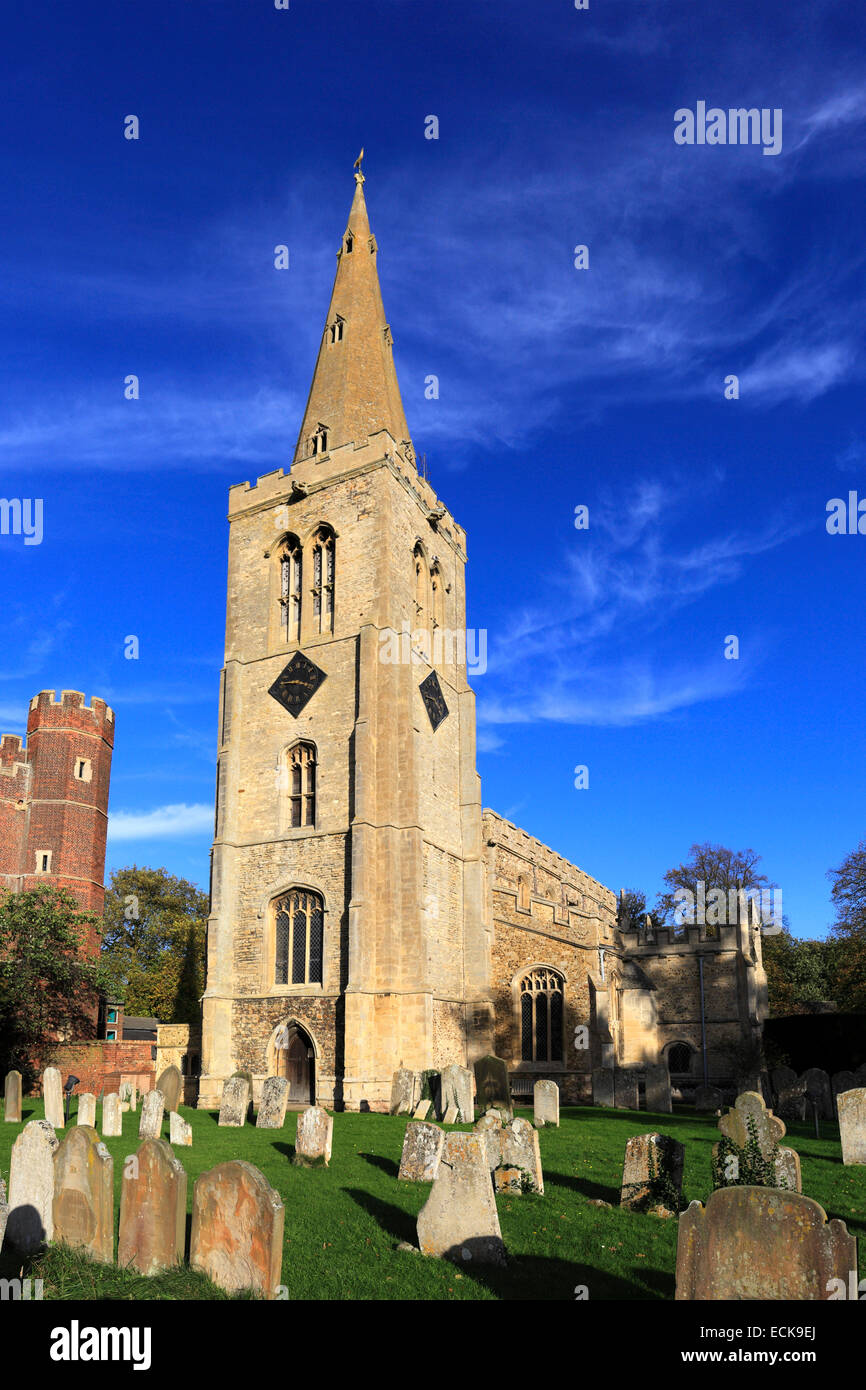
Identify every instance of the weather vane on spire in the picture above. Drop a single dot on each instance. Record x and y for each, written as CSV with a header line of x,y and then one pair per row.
x,y
360,171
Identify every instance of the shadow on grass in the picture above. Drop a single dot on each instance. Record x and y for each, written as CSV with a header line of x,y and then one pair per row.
x,y
537,1278
583,1186
287,1149
386,1164
398,1223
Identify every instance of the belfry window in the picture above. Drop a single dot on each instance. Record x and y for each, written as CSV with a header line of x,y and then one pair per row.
x,y
336,330
302,784
350,243
299,920
291,572
319,441
541,1016
323,580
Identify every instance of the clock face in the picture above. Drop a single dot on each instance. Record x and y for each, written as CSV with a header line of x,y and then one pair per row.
x,y
434,700
297,684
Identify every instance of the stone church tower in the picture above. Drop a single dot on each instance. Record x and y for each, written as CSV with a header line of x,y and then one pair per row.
x,y
346,934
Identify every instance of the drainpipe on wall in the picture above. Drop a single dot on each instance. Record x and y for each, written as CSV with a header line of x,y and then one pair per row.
x,y
703,1020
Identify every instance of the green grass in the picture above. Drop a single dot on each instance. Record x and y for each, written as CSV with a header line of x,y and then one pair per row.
x,y
344,1223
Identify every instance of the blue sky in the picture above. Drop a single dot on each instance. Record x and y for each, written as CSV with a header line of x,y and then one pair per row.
x,y
558,387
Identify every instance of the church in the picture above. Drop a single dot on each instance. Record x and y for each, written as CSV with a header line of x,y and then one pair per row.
x,y
367,912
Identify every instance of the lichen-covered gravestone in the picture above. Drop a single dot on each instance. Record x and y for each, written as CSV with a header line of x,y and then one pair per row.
x,y
248,1077
625,1090
545,1102
272,1106
452,1115
179,1130
314,1137
237,1229
457,1090
489,1126
819,1092
758,1243
112,1117
708,1099
422,1150
405,1086
459,1220
52,1094
658,1088
852,1125
235,1102
750,1119
652,1161
491,1086
152,1108
422,1110
152,1210
31,1187
86,1110
84,1194
12,1092
602,1087
519,1148
171,1085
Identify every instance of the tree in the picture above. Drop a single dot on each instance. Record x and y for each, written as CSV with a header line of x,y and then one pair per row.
x,y
633,911
719,870
798,972
154,943
49,987
848,932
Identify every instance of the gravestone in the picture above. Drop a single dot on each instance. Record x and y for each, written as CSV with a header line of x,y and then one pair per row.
x,y
658,1088
782,1078
31,1187
403,1089
625,1090
491,1086
422,1110
237,1229
758,1243
788,1173
431,1091
128,1094
519,1148
708,1099
457,1090
768,1131
248,1077
112,1118
179,1130
422,1150
12,1092
648,1157
545,1101
459,1220
152,1210
602,1087
314,1137
452,1115
490,1127
86,1110
152,1108
52,1094
235,1102
83,1209
791,1103
171,1085
852,1125
272,1106
818,1092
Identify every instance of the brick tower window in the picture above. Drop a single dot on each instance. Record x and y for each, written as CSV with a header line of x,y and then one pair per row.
x,y
43,861
291,572
302,783
299,920
323,580
83,770
541,1016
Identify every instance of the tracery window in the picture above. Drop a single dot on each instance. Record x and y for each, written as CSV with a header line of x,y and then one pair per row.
x,y
291,574
323,580
299,918
302,784
541,1011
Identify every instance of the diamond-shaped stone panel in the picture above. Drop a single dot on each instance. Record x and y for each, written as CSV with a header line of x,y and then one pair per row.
x,y
434,700
296,685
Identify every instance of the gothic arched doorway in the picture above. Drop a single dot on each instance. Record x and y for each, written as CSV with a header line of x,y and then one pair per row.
x,y
295,1058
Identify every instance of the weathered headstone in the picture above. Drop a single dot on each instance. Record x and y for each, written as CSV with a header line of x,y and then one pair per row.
x,y
171,1085
237,1229
788,1173
452,1115
625,1090
791,1103
235,1102
519,1148
852,1125
759,1243
248,1077
129,1094
491,1086
52,1094
84,1194
818,1092
782,1078
422,1150
459,1220
404,1085
422,1110
314,1137
457,1090
124,1107
489,1126
749,1119
708,1099
545,1101
272,1106
602,1087
152,1108
658,1088
12,1093
179,1129
152,1210
31,1187
112,1119
648,1158
86,1110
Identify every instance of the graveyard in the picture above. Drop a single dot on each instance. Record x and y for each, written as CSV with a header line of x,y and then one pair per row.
x,y
350,1230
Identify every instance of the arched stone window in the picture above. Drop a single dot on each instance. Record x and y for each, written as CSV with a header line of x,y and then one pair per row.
x,y
323,579
680,1058
319,440
299,920
541,1006
301,780
335,330
291,575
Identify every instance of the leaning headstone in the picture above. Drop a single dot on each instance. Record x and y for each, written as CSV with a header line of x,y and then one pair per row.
x,y
758,1243
171,1085
658,1088
84,1194
272,1106
112,1119
852,1125
602,1087
402,1092
12,1092
490,1127
422,1150
86,1110
152,1210
235,1102
52,1094
422,1110
457,1090
459,1220
237,1229
818,1091
649,1157
314,1137
452,1115
491,1086
519,1148
152,1107
31,1187
708,1099
179,1129
625,1090
545,1101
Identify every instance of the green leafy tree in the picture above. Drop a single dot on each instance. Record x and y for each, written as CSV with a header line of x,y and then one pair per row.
x,y
633,911
717,868
798,972
49,986
154,943
848,932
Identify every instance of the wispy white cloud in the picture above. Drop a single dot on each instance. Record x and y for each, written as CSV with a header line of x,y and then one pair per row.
x,y
166,822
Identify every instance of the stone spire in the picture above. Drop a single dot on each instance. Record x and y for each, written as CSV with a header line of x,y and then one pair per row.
x,y
354,391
